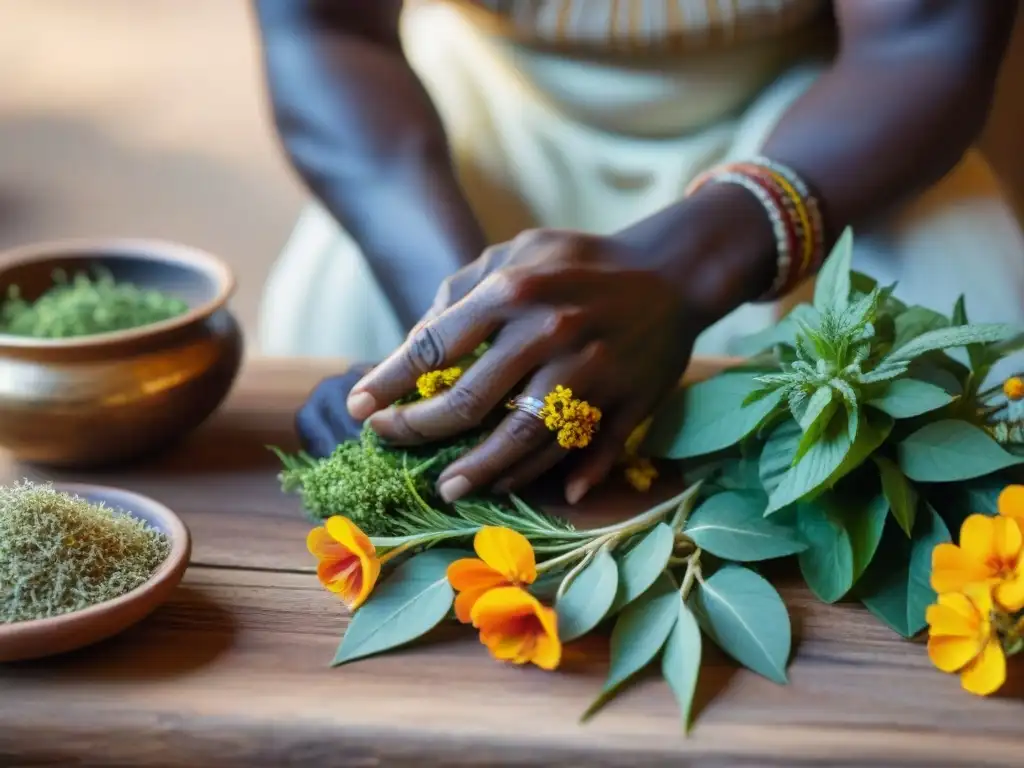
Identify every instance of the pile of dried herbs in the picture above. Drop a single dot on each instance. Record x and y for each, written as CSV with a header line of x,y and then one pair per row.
x,y
86,305
60,553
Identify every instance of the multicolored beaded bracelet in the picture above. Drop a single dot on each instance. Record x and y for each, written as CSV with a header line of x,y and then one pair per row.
x,y
794,213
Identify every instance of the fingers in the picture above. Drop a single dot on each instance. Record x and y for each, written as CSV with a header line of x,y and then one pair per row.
x,y
606,449
437,344
520,435
517,352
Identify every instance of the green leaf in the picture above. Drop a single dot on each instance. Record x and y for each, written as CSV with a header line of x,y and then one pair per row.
x,y
975,352
959,316
639,634
947,338
899,491
745,617
928,533
832,288
831,459
842,534
405,606
883,588
708,417
820,409
906,398
736,475
732,526
589,597
915,322
777,454
952,450
957,501
680,663
640,567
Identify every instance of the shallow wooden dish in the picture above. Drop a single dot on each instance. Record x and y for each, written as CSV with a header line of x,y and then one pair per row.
x,y
47,637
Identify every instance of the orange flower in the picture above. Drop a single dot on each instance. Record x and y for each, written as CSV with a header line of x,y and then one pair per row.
x,y
1013,388
505,559
961,639
349,565
516,627
990,554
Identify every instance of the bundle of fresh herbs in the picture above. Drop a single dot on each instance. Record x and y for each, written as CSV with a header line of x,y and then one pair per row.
x,y
852,439
86,305
60,553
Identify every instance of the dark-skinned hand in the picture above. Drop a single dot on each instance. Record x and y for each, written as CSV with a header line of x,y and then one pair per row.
x,y
559,308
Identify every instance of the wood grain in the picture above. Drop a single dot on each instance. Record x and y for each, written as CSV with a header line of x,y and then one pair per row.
x,y
234,670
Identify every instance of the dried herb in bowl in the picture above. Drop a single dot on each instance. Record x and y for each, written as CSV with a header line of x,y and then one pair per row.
x,y
60,553
86,305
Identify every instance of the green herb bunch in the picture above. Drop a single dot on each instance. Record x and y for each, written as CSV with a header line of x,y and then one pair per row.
x,y
861,427
60,553
85,306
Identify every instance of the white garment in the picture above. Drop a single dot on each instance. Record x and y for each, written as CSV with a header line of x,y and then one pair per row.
x,y
541,140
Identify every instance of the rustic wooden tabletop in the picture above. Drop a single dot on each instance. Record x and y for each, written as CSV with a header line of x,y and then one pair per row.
x,y
234,670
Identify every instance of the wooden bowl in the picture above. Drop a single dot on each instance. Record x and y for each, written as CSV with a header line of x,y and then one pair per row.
x,y
96,400
47,637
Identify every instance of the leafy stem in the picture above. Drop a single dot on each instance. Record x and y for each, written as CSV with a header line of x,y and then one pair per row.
x,y
692,573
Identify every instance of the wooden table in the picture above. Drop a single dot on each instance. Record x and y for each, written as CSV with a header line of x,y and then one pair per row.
x,y
234,670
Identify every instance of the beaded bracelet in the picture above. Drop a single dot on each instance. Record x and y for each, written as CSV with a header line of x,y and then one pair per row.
x,y
794,212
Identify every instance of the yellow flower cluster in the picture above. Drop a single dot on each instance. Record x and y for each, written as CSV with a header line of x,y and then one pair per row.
x,y
435,382
1013,388
574,420
640,472
980,586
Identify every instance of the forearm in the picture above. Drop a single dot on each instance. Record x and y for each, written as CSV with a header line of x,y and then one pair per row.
x,y
907,96
363,134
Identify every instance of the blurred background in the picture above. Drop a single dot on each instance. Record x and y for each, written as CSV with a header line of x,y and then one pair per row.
x,y
147,118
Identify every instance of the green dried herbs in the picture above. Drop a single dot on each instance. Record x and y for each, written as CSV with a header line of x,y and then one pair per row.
x,y
60,553
85,306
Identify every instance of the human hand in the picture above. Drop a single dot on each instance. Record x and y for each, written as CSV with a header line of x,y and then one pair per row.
x,y
614,319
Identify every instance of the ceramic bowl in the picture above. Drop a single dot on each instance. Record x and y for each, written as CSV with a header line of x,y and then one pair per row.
x,y
97,400
47,637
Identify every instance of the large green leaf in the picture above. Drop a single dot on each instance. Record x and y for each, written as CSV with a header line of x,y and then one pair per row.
x,y
952,450
777,454
916,321
832,287
899,491
639,634
948,338
405,606
708,417
589,597
732,526
820,410
906,398
813,471
842,534
680,662
745,617
883,588
640,567
831,459
929,532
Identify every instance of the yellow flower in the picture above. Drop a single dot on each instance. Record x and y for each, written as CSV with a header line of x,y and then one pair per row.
x,y
636,438
961,638
989,555
516,627
1013,388
505,559
349,565
574,420
1011,503
434,382
640,473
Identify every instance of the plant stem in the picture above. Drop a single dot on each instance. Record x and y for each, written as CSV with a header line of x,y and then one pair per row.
x,y
692,572
570,577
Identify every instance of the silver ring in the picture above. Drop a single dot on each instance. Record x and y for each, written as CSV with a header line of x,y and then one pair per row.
x,y
530,405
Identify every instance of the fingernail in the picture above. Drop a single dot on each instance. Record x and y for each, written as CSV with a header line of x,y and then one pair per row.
x,y
361,405
455,488
576,490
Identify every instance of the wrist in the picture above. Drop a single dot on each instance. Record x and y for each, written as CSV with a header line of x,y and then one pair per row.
x,y
717,247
